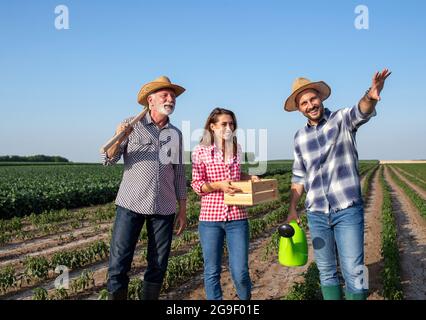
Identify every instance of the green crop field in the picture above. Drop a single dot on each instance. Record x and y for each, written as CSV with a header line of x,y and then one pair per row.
x,y
62,214
28,188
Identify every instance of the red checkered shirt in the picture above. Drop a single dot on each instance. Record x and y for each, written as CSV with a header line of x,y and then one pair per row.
x,y
208,166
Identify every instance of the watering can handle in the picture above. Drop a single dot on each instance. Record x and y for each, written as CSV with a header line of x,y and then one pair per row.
x,y
286,230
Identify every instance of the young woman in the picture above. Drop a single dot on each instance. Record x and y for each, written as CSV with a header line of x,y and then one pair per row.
x,y
215,162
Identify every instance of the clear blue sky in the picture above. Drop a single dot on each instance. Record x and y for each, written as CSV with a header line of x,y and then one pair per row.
x,y
64,91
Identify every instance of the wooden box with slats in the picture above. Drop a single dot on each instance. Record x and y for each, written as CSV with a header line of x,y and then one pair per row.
x,y
253,193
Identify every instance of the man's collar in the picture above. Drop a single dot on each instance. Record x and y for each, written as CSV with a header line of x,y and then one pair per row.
x,y
148,120
324,118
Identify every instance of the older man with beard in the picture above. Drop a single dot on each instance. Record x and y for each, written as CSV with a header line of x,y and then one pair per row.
x,y
153,181
326,167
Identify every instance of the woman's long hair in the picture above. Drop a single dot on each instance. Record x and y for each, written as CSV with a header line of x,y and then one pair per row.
x,y
208,135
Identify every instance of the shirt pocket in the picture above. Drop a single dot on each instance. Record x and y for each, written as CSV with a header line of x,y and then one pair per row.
x,y
141,144
169,151
331,135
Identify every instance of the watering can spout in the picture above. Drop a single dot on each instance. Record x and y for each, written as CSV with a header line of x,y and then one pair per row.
x,y
293,247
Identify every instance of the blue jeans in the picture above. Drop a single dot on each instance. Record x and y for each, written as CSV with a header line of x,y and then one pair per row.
x,y
127,228
343,229
212,236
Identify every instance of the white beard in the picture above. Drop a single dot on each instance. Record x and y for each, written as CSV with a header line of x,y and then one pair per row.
x,y
161,109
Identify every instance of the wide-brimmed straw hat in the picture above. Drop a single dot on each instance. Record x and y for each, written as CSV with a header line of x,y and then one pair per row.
x,y
301,84
162,82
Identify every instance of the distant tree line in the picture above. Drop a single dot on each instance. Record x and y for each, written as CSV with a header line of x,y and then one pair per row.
x,y
35,158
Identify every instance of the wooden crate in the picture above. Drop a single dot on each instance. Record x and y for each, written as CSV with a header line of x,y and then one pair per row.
x,y
253,193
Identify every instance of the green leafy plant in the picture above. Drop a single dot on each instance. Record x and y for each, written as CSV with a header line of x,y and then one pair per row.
x,y
84,281
40,294
7,279
309,288
103,294
135,289
392,288
36,267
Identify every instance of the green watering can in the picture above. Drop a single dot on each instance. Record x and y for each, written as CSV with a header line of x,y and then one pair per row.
x,y
293,249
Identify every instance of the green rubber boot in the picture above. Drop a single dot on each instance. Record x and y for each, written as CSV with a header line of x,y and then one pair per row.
x,y
356,296
331,292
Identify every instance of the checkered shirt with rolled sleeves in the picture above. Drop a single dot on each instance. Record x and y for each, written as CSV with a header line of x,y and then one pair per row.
x,y
208,166
326,160
154,171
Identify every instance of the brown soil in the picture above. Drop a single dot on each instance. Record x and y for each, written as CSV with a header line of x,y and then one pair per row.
x,y
100,270
11,253
372,236
52,249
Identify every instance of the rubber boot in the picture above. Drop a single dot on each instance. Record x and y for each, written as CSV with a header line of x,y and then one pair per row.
x,y
151,290
355,296
120,294
331,292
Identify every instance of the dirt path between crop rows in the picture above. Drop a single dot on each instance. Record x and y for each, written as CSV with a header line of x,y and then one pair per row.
x,y
421,192
51,250
30,227
372,237
12,253
49,245
99,269
411,229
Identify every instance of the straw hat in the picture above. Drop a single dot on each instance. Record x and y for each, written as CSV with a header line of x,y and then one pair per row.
x,y
301,84
160,83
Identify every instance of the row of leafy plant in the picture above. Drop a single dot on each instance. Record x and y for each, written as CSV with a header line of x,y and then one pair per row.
x,y
392,289
52,222
418,170
367,182
84,281
415,198
417,180
34,189
38,268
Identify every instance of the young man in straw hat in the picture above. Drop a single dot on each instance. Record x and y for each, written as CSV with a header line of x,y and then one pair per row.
x,y
153,180
326,167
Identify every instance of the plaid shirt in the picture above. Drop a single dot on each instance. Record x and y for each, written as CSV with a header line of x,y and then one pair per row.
x,y
326,160
208,166
154,172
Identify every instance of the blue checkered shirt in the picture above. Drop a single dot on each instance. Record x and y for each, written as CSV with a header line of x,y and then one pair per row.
x,y
326,160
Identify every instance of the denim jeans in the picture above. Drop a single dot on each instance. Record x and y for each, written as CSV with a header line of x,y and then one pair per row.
x,y
343,229
212,237
127,228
